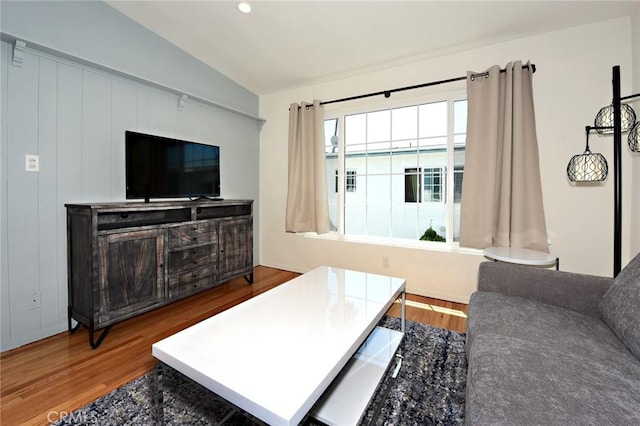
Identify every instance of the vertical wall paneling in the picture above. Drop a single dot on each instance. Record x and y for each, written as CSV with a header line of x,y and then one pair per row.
x,y
47,190
234,177
208,127
69,164
74,117
69,133
22,194
184,123
143,110
200,130
159,116
98,33
96,136
5,306
124,107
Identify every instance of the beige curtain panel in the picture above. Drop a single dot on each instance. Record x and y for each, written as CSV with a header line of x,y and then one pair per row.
x,y
501,192
307,201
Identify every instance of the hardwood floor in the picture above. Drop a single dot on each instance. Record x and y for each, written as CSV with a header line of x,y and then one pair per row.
x,y
436,312
57,375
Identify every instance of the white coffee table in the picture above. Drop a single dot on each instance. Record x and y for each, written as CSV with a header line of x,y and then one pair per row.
x,y
276,354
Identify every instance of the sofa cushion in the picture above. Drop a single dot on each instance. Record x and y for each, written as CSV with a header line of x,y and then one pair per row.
x,y
517,382
566,331
620,303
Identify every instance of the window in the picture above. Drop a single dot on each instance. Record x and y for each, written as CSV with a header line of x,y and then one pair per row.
x,y
457,183
433,181
409,161
433,186
413,185
350,181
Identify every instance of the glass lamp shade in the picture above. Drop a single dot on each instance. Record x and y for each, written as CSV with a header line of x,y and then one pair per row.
x,y
587,167
634,138
604,118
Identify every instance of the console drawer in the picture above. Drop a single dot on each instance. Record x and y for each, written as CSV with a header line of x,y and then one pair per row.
x,y
192,258
187,277
190,282
192,234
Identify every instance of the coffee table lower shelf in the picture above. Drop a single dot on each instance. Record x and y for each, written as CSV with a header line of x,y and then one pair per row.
x,y
349,395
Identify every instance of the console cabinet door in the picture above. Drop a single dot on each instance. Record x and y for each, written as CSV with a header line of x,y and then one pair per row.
x,y
131,273
235,242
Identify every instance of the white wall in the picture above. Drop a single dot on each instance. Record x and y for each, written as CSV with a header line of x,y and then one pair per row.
x,y
571,84
635,181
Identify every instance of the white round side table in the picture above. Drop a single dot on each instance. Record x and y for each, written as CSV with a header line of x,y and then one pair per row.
x,y
522,256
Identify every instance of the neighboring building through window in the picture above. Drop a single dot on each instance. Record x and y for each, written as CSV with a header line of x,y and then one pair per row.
x,y
413,185
409,161
350,181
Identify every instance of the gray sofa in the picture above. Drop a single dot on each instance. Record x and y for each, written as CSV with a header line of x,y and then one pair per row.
x,y
553,348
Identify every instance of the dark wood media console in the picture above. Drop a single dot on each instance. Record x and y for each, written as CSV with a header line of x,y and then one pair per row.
x,y
128,258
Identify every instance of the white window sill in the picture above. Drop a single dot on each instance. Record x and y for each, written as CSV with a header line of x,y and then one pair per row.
x,y
394,242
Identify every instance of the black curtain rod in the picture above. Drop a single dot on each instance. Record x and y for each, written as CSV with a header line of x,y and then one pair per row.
x,y
387,93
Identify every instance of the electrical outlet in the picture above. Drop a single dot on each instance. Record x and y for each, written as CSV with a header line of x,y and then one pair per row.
x,y
385,262
32,163
34,300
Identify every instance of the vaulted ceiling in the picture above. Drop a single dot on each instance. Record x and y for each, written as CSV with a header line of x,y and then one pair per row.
x,y
284,44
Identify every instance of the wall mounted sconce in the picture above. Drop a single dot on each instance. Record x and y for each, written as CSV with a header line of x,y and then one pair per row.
x,y
588,167
182,100
19,48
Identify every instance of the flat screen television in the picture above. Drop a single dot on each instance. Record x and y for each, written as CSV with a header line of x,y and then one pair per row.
x,y
160,167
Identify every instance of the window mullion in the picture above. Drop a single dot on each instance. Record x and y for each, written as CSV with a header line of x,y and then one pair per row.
x,y
449,184
342,214
390,174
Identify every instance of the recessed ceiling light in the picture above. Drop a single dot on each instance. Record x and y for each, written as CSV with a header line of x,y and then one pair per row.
x,y
244,7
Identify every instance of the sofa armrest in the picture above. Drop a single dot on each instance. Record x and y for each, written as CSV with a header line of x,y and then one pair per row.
x,y
573,291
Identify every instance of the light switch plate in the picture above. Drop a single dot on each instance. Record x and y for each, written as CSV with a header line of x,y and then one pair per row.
x,y
32,163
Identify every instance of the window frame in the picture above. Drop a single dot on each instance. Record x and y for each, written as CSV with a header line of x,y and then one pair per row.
x,y
340,110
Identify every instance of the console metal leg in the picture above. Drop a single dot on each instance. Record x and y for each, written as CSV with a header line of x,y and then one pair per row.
x,y
92,342
249,278
159,397
72,330
95,343
69,317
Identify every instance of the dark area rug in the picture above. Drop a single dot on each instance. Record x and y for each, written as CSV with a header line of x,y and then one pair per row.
x,y
429,390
